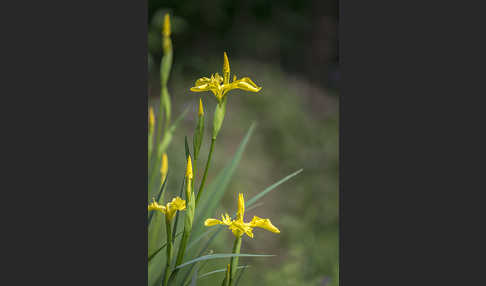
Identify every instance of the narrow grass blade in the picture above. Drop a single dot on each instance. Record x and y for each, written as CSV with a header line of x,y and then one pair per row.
x,y
188,153
221,270
155,269
162,247
239,276
221,255
213,195
176,223
201,236
272,187
194,277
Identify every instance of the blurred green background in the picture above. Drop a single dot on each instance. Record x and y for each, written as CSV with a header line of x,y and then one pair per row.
x,y
290,49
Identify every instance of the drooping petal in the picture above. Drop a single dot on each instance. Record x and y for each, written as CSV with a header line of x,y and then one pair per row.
x,y
154,206
201,84
203,80
200,88
212,221
246,84
263,223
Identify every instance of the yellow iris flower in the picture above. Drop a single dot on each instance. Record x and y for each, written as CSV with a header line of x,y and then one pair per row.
x,y
177,204
220,86
238,226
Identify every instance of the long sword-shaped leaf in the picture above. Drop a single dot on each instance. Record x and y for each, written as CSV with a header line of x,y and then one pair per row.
x,y
239,276
155,267
272,187
176,224
213,195
221,270
162,247
194,278
221,255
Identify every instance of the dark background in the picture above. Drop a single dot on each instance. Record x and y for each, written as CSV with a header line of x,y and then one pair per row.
x,y
289,48
298,36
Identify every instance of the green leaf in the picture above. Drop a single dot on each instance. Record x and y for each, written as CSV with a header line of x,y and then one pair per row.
x,y
194,277
156,223
188,153
159,197
272,187
160,149
162,247
178,213
211,197
221,255
155,267
197,239
221,270
239,276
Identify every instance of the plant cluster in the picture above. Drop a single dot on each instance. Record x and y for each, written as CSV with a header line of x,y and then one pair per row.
x,y
176,256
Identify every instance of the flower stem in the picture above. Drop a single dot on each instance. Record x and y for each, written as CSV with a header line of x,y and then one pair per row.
x,y
234,260
208,162
169,250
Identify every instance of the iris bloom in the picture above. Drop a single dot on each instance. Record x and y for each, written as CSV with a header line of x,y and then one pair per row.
x,y
238,226
177,204
220,86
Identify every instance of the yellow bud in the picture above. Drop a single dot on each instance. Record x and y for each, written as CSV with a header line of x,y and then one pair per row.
x,y
151,118
226,69
189,168
166,28
226,66
201,110
164,166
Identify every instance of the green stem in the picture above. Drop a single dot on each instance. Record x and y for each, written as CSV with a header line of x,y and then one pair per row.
x,y
169,250
188,219
208,162
234,260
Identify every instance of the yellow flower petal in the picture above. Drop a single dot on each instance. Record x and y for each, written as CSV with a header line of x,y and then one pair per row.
x,y
154,206
246,84
241,207
226,69
226,219
263,223
203,80
177,203
212,221
238,227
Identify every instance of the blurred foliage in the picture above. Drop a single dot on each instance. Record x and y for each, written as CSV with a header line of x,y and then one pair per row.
x,y
277,45
300,36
